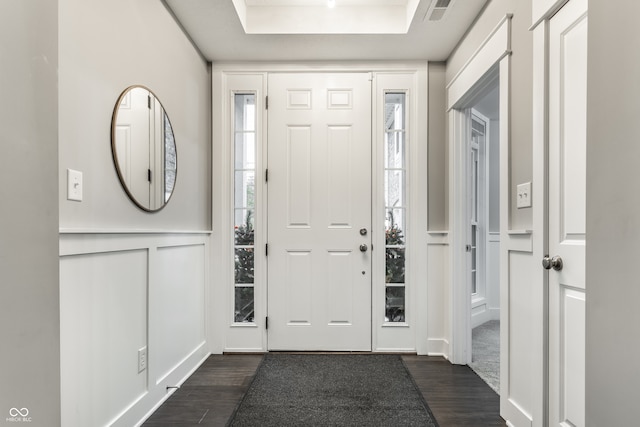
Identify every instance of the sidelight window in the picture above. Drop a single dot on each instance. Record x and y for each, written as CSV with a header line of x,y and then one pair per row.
x,y
395,205
244,205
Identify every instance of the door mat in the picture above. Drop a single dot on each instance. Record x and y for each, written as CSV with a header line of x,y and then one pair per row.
x,y
332,390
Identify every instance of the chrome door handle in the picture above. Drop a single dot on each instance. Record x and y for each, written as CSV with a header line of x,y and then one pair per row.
x,y
363,248
553,262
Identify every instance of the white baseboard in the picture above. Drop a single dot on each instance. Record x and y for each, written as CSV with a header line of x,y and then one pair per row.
x,y
438,347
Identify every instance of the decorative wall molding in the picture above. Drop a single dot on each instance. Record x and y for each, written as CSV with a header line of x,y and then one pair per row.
x,y
123,292
496,46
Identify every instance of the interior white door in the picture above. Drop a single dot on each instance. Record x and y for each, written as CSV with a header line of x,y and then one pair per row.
x,y
319,211
567,213
134,124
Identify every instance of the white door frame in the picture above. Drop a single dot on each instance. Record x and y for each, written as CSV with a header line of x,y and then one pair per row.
x,y
459,121
540,131
493,55
491,61
222,334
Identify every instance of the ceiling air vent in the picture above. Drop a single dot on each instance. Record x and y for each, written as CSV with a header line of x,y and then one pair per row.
x,y
438,9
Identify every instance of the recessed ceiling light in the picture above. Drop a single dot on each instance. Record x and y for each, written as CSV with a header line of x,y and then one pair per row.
x,y
331,4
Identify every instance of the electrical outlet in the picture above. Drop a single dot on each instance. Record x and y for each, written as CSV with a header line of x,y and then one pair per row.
x,y
524,195
142,359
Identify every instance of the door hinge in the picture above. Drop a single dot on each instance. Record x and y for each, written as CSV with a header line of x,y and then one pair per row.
x,y
266,175
149,175
266,322
266,102
149,102
266,249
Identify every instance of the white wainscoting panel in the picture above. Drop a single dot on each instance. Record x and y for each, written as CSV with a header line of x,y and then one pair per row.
x,y
516,334
177,299
488,307
119,293
103,323
439,326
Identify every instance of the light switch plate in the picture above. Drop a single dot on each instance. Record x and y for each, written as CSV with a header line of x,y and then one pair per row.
x,y
524,195
74,185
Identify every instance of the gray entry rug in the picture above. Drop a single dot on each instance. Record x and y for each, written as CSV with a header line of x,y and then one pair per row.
x,y
332,390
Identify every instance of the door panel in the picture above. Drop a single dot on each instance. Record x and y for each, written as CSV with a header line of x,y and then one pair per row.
x,y
319,197
567,212
134,124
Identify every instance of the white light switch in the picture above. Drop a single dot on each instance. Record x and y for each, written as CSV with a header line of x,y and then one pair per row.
x,y
524,195
74,185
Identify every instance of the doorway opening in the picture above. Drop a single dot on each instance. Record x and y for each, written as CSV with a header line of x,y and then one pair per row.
x,y
483,228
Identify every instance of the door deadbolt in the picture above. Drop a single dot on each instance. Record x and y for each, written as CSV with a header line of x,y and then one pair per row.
x,y
363,231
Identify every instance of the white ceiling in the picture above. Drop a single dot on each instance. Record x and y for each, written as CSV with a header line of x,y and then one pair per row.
x,y
216,29
319,17
323,2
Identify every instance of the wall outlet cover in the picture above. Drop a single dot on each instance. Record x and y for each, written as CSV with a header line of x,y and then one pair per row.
x,y
142,359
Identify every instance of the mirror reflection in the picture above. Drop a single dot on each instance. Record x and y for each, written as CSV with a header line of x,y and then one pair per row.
x,y
143,148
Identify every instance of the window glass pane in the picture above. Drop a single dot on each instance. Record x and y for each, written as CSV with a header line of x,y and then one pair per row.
x,y
394,188
245,111
244,305
394,150
244,204
394,227
244,265
245,191
244,228
395,204
394,110
245,151
474,285
477,125
395,265
394,304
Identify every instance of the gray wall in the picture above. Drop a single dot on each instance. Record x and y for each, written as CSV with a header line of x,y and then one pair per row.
x,y
613,214
438,172
521,166
29,314
104,48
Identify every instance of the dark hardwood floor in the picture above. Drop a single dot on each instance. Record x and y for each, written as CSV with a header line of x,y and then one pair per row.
x,y
456,395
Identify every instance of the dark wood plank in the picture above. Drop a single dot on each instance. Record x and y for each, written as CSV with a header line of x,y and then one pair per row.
x,y
210,395
456,395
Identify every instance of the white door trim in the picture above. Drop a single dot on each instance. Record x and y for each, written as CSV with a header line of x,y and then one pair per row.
x,y
465,87
540,222
491,58
223,336
540,213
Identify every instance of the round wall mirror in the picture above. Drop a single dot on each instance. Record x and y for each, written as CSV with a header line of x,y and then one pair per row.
x,y
143,148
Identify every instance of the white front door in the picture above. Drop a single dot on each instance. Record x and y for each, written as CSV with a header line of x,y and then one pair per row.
x,y
567,193
319,211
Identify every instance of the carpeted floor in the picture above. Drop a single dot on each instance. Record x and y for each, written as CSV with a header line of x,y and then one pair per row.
x,y
332,389
486,353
